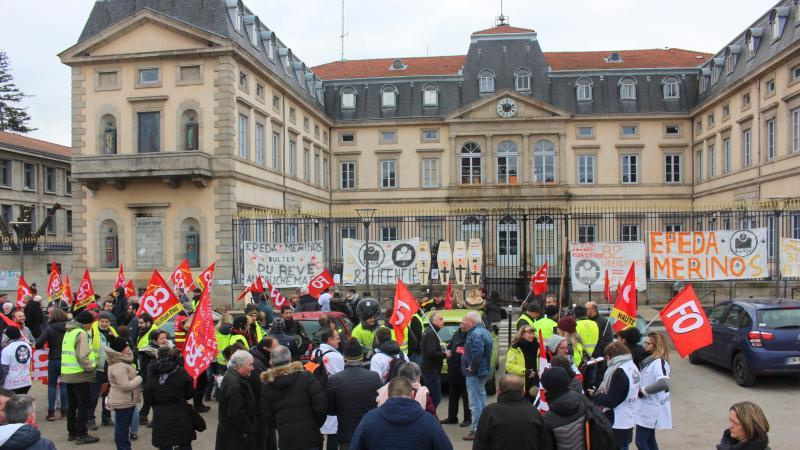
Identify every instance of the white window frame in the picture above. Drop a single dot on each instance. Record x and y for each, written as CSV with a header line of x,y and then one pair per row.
x,y
586,169
747,147
770,135
389,233
388,97
795,115
712,161
587,232
522,80
306,162
698,161
430,95
510,153
485,81
726,155
316,169
259,143
673,168
276,150
430,172
388,174
243,136
544,162
629,232
671,88
583,90
629,169
347,175
292,158
348,98
471,151
627,89
34,171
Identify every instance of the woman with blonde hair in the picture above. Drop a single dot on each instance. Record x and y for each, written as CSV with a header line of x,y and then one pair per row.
x,y
522,358
654,407
747,429
567,328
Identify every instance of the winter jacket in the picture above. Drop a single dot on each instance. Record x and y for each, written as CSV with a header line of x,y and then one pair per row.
x,y
260,364
82,351
565,421
308,303
293,403
511,423
729,443
167,389
421,395
288,342
123,379
351,393
432,353
382,358
494,310
34,318
414,335
53,336
20,436
26,336
399,424
237,420
477,359
456,347
606,335
146,356
120,306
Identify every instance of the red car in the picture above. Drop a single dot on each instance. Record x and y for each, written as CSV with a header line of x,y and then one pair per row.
x,y
310,322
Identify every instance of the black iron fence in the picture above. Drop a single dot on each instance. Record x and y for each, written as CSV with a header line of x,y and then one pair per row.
x,y
41,246
515,241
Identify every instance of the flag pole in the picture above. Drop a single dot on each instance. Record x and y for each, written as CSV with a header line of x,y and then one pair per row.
x,y
649,323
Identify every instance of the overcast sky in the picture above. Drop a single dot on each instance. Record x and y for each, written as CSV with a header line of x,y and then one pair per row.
x,y
33,32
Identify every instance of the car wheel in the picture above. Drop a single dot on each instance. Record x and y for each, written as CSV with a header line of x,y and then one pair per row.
x,y
741,371
694,358
491,386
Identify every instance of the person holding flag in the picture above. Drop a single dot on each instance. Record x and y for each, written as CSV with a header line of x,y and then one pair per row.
x,y
433,355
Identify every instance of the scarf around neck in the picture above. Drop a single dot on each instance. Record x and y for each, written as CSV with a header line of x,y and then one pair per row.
x,y
613,365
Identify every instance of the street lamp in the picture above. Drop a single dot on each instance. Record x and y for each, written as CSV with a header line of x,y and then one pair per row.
x,y
19,228
366,215
778,203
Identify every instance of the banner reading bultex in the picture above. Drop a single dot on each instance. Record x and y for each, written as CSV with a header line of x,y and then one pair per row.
x,y
388,261
589,262
708,255
283,265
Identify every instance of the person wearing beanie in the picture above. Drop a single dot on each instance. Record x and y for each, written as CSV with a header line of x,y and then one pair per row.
x,y
15,361
253,328
567,326
77,371
351,392
278,332
556,345
123,397
100,336
239,333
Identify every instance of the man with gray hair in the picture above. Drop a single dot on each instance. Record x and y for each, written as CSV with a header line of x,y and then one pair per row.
x,y
237,423
433,354
292,402
511,422
307,302
476,365
21,431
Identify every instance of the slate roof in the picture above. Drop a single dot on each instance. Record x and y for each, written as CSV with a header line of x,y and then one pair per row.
x,y
29,143
376,68
504,29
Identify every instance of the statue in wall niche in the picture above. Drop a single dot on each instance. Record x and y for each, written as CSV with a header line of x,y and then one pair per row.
x,y
191,134
110,139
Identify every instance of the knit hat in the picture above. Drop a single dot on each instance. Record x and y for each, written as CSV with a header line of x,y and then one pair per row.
x,y
567,324
353,352
118,344
105,315
555,381
250,308
552,342
13,333
85,318
278,326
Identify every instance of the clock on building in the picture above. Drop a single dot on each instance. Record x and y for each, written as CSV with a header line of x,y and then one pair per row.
x,y
507,108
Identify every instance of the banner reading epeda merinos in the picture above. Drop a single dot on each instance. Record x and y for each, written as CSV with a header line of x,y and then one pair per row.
x,y
708,255
282,264
388,261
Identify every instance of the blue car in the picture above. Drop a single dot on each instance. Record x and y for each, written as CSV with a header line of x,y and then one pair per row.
x,y
754,337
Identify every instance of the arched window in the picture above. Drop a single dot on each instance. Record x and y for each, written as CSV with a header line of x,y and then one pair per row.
x,y
507,163
471,228
544,162
348,98
109,244
430,95
671,88
486,81
471,163
522,80
627,89
189,130
190,241
583,90
108,135
388,97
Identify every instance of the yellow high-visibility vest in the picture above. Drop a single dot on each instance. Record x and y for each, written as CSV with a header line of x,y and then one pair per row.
x,y
69,358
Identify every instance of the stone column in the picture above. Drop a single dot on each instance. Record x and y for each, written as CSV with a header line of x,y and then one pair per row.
x,y
525,173
489,155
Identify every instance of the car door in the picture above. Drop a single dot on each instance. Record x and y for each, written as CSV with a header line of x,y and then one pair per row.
x,y
727,334
715,316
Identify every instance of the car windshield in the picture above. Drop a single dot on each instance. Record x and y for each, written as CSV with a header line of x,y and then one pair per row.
x,y
779,318
447,331
310,326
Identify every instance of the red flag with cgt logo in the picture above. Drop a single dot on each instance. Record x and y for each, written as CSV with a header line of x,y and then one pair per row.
x,y
201,341
159,301
686,322
22,291
539,280
624,310
405,306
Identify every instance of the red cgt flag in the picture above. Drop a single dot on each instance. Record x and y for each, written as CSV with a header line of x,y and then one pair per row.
x,y
54,287
182,277
448,296
130,289
686,322
405,306
539,280
319,283
255,287
624,310
200,349
159,301
607,289
85,294
22,291
120,278
205,277
66,295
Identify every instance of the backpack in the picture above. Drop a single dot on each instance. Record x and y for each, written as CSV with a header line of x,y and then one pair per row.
x,y
599,435
394,367
318,369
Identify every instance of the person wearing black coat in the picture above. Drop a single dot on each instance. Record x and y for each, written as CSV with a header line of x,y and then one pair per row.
x,y
501,423
168,389
237,420
494,310
352,392
458,384
120,306
432,357
34,317
631,338
265,438
292,402
52,337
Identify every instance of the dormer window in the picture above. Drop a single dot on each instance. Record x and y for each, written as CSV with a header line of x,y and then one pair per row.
x,y
398,65
627,89
430,95
752,38
583,89
522,80
238,22
777,21
348,98
254,35
486,81
614,57
671,88
388,97
705,74
732,57
716,69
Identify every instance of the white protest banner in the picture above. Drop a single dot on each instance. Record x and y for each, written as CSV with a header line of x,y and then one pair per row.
x,y
790,257
708,255
388,261
589,262
283,265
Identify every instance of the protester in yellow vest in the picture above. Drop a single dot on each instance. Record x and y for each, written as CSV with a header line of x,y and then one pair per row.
x,y
587,329
529,316
522,357
546,324
77,371
240,334
364,332
253,327
223,334
566,329
101,334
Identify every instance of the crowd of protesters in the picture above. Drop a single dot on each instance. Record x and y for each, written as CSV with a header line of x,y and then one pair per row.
x,y
569,382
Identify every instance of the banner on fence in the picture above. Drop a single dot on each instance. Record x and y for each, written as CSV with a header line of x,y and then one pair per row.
x,y
708,255
590,260
790,257
388,261
282,265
